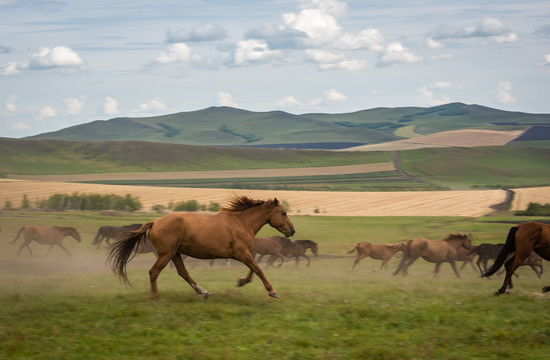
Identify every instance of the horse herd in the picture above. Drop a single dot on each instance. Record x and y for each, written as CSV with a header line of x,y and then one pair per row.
x,y
231,234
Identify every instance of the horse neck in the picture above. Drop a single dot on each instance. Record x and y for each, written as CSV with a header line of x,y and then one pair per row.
x,y
255,218
455,242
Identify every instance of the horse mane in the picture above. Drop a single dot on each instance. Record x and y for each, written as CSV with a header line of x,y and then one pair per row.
x,y
455,236
241,203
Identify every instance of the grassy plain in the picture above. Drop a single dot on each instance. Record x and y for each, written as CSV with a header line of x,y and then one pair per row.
x,y
60,307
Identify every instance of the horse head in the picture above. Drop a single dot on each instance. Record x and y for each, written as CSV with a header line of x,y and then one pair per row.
x,y
463,240
74,233
279,218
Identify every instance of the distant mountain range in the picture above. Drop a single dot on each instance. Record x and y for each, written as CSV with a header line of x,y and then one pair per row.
x,y
226,126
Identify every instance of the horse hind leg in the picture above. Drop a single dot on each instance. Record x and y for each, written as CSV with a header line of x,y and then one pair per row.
x,y
182,271
162,261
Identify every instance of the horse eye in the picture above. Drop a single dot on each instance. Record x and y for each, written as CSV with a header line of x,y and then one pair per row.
x,y
284,213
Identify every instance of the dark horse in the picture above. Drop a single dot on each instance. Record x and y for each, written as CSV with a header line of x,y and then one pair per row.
x,y
486,252
108,232
521,240
46,235
300,248
228,234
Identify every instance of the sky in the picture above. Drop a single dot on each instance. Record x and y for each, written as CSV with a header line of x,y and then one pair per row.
x,y
64,63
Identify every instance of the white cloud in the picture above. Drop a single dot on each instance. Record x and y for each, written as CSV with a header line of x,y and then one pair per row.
x,y
288,102
10,104
226,99
504,93
396,53
59,56
152,105
329,60
253,51
431,43
427,96
18,126
73,105
46,58
11,68
110,106
545,61
317,23
333,96
202,32
487,28
177,53
366,39
47,112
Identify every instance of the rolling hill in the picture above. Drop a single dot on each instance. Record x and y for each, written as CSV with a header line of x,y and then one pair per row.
x,y
225,126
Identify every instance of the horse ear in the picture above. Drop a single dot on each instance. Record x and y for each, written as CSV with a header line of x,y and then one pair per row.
x,y
275,202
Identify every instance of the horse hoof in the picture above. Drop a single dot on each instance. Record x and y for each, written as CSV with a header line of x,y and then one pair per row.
x,y
206,295
274,295
241,282
546,289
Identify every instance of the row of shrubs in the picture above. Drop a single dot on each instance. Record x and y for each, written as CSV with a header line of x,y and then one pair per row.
x,y
535,209
128,202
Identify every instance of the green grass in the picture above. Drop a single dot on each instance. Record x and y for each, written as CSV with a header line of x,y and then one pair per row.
x,y
61,307
46,157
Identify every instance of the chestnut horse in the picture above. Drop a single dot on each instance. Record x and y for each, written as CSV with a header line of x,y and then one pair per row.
x,y
382,252
46,235
276,246
300,248
434,251
521,240
228,234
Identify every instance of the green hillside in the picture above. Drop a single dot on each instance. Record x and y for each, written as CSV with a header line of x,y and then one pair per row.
x,y
225,126
482,167
50,157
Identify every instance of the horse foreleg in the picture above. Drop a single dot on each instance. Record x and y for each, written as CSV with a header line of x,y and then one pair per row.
x,y
255,269
162,261
384,264
182,271
478,263
308,262
453,265
62,247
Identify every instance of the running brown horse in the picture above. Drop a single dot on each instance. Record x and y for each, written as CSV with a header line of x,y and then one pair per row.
x,y
276,246
46,235
521,240
382,252
227,234
300,248
434,251
108,232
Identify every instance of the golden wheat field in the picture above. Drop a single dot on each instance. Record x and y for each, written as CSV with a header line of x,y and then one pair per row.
x,y
417,203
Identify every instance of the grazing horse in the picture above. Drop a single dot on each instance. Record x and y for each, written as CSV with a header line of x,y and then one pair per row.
x,y
227,234
47,235
382,252
300,248
434,251
522,239
276,246
109,232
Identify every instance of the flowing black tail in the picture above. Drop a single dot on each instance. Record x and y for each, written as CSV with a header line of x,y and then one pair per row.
x,y
125,248
508,248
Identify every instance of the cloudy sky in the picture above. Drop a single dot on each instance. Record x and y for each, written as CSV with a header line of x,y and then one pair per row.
x,y
63,63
